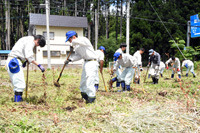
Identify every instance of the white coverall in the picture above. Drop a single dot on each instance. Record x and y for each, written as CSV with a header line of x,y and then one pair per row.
x,y
176,65
22,49
118,71
100,56
155,61
138,57
128,62
190,66
150,68
162,67
84,50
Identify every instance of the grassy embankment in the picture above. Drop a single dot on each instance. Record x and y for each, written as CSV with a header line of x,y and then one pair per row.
x,y
145,109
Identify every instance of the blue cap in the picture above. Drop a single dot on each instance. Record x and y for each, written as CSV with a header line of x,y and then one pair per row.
x,y
151,51
102,47
14,65
116,56
70,34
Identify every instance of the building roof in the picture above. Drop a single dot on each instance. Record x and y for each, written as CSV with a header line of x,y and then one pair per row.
x,y
56,20
5,51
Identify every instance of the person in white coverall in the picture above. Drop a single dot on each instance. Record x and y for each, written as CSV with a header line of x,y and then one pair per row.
x,y
138,57
100,60
189,66
84,50
21,53
162,68
155,60
128,62
176,66
150,66
118,71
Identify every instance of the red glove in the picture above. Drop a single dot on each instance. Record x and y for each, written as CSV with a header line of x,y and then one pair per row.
x,y
167,67
178,70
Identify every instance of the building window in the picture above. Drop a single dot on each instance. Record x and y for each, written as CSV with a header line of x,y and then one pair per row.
x,y
72,54
51,35
53,53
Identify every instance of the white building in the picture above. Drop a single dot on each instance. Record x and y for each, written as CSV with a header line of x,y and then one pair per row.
x,y
58,26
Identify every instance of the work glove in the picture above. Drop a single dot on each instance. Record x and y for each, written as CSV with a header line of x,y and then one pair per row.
x,y
157,67
178,69
141,69
41,67
67,61
71,48
24,64
167,67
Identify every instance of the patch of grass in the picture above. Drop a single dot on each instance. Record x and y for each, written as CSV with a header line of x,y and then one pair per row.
x,y
143,109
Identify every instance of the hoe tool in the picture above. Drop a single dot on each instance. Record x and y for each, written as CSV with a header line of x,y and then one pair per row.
x,y
104,82
146,74
27,80
56,83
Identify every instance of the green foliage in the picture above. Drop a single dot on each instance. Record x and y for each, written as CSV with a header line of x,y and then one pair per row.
x,y
177,42
191,53
197,65
110,46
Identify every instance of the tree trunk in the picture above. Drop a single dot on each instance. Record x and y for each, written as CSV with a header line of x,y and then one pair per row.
x,y
121,19
107,10
7,4
116,24
75,8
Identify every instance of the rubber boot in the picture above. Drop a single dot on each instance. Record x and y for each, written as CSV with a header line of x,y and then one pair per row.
x,y
186,75
156,81
161,75
96,86
84,96
123,86
149,76
179,76
172,76
18,97
138,81
153,79
194,75
128,87
114,79
117,84
90,100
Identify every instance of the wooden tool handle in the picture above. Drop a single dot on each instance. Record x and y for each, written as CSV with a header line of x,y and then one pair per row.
x,y
64,66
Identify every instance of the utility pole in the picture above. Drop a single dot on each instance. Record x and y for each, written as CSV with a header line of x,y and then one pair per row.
x,y
106,22
28,7
7,4
98,9
96,29
127,26
47,26
121,19
188,33
84,8
75,8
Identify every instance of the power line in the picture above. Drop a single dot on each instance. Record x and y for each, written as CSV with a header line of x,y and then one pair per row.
x,y
166,28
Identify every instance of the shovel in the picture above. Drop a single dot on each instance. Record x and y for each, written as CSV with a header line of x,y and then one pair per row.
x,y
27,80
56,83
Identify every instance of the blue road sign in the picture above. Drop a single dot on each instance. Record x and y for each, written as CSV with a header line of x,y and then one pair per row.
x,y
195,26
